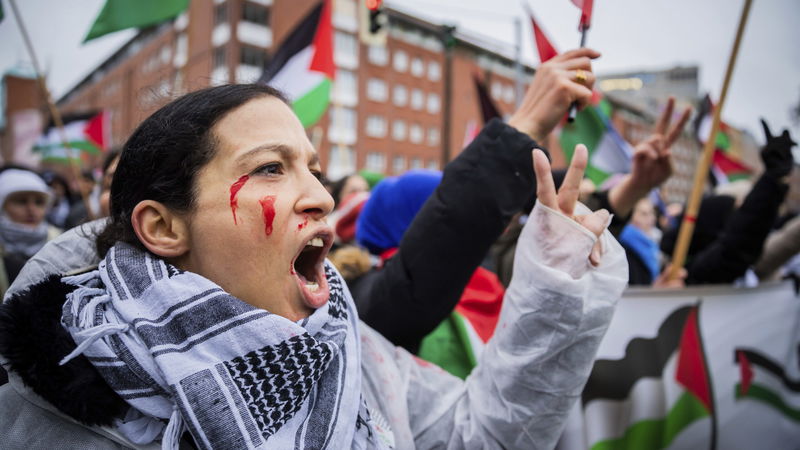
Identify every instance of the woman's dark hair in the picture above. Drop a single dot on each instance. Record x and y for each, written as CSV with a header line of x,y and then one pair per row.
x,y
164,154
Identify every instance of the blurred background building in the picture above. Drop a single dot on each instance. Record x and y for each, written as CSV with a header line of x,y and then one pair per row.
x,y
408,101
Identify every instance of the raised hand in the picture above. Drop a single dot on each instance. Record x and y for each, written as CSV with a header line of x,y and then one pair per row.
x,y
777,153
652,159
565,199
560,81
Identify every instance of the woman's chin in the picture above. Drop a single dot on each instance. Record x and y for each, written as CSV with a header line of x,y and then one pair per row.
x,y
313,295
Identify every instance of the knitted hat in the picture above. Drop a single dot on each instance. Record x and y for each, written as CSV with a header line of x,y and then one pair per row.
x,y
392,206
20,180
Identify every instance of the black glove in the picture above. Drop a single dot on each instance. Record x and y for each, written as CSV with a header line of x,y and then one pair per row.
x,y
777,153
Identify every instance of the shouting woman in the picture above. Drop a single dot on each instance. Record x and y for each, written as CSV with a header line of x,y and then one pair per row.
x,y
214,321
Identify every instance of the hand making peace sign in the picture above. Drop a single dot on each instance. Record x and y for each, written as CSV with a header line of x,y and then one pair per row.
x,y
567,196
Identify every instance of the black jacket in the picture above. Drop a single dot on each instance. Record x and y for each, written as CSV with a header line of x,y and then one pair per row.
x,y
720,256
481,190
742,240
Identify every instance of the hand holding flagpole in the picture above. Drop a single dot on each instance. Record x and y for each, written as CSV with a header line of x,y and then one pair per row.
x,y
586,20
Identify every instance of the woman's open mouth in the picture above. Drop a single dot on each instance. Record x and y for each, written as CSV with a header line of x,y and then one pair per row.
x,y
309,271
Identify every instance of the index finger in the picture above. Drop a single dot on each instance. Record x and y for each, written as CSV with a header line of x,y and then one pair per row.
x,y
677,129
663,121
545,187
570,188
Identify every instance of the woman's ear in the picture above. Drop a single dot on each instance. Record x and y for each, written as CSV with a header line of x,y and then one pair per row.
x,y
160,230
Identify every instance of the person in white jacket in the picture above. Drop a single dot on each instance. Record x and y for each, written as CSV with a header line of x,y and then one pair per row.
x,y
213,319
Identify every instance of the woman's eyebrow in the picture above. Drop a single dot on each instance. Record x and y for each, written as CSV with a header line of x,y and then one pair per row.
x,y
286,153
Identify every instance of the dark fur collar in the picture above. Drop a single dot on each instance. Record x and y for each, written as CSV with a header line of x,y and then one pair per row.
x,y
33,340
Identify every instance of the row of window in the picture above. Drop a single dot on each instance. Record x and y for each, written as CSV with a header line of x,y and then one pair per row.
x,y
251,12
248,55
377,127
377,90
376,162
379,55
343,162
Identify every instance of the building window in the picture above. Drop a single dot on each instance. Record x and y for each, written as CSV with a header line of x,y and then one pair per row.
x,y
433,136
417,67
434,71
342,162
398,164
417,99
344,118
415,133
416,163
376,126
345,87
220,58
376,162
433,103
399,130
345,49
399,95
376,90
433,164
400,61
253,12
378,55
221,14
252,56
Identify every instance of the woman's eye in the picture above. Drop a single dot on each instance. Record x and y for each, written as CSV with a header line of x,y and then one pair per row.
x,y
317,174
270,169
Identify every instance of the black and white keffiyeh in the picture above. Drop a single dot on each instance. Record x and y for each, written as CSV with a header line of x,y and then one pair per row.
x,y
187,355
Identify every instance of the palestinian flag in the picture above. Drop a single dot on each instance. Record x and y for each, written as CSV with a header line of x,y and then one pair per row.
x,y
586,7
543,45
85,134
762,379
655,392
119,15
725,167
303,66
609,153
456,344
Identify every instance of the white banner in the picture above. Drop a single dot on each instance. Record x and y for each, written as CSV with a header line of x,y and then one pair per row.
x,y
709,367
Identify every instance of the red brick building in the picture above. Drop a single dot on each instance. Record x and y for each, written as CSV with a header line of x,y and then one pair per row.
x,y
387,107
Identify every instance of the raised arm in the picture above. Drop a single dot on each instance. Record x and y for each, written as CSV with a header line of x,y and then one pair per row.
x,y
480,190
555,312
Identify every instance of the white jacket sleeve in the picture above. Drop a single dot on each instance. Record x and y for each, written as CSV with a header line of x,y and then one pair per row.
x,y
555,313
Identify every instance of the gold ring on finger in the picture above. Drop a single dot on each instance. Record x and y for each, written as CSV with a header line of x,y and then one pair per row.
x,y
580,76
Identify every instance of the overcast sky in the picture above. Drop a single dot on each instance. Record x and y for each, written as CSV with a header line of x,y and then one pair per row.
x,y
631,34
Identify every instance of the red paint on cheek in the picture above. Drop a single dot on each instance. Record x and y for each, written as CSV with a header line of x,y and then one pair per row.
x,y
268,211
302,225
235,190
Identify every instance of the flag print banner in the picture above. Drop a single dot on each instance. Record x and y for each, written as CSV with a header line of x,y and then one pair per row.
x,y
701,368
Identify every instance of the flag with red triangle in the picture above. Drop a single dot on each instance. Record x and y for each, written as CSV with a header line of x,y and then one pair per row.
x,y
86,134
303,66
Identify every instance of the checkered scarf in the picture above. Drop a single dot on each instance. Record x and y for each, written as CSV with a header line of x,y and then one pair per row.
x,y
187,355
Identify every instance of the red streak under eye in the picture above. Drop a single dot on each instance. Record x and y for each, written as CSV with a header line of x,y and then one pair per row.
x,y
268,210
235,190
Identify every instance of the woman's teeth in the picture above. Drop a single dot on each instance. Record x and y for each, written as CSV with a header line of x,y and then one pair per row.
x,y
316,242
312,286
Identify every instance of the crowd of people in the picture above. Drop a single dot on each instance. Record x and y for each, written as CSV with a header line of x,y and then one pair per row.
x,y
211,293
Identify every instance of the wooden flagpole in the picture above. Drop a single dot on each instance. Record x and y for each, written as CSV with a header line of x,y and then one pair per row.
x,y
700,175
52,107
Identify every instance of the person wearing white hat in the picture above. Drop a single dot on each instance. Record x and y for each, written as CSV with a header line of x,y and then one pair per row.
x,y
24,197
